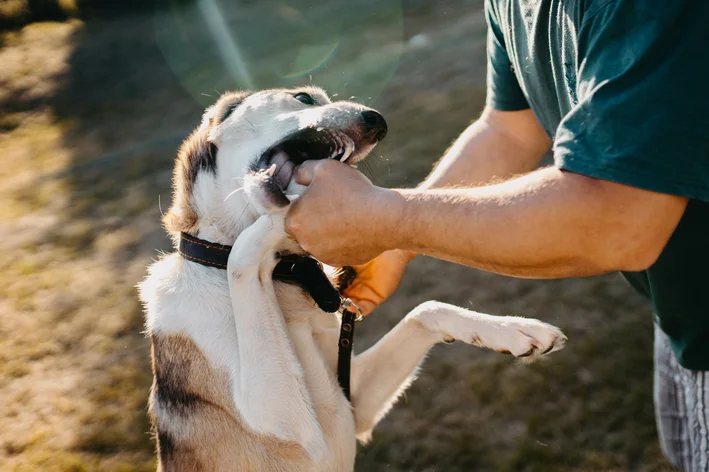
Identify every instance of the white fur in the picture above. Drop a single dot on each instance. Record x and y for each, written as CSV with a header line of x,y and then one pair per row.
x,y
279,349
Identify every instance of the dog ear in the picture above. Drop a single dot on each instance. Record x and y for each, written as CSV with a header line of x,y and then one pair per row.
x,y
197,154
225,106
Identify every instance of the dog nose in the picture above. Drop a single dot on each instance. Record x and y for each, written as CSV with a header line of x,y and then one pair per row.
x,y
376,127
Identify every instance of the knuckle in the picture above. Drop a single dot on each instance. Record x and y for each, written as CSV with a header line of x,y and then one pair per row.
x,y
292,224
324,167
318,172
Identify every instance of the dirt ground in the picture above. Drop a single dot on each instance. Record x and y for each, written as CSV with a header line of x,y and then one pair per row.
x,y
91,113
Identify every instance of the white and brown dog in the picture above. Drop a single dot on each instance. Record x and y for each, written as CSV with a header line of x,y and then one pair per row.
x,y
245,366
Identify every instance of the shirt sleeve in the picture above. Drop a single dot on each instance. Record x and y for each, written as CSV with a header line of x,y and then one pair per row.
x,y
642,117
503,90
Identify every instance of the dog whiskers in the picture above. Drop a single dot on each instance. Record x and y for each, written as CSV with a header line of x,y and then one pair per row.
x,y
160,206
250,123
238,220
366,169
232,193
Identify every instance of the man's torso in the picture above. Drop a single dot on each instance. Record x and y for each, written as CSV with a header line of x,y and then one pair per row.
x,y
547,43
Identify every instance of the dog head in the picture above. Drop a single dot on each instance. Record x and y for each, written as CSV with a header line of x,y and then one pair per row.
x,y
240,162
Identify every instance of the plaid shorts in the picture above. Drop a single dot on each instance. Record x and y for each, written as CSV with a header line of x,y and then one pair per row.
x,y
681,409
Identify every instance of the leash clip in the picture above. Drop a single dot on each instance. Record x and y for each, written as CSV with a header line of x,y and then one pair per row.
x,y
352,307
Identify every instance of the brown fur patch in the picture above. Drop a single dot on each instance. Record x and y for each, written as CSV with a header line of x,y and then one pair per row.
x,y
226,104
195,420
197,154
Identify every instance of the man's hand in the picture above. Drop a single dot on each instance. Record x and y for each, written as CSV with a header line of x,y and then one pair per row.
x,y
339,219
378,279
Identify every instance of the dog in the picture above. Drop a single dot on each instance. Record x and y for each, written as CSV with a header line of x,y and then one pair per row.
x,y
245,364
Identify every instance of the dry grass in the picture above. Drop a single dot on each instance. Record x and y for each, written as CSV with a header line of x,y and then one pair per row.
x,y
90,122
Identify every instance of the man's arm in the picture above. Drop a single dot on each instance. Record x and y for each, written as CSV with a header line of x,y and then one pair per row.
x,y
549,223
498,145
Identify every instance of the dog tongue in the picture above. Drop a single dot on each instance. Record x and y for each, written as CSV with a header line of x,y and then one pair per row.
x,y
284,169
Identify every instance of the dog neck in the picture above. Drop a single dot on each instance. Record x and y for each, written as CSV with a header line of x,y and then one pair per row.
x,y
221,231
301,270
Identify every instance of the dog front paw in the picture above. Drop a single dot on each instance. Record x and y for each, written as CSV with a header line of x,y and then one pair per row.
x,y
525,338
531,339
257,246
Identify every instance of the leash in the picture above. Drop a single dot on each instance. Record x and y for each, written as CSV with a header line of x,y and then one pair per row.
x,y
351,313
301,270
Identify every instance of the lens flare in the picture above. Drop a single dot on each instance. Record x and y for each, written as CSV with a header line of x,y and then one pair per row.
x,y
311,58
218,45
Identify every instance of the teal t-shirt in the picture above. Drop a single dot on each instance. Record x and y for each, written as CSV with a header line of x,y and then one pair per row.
x,y
622,86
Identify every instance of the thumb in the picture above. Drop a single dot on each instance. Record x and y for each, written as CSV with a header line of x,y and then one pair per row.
x,y
305,172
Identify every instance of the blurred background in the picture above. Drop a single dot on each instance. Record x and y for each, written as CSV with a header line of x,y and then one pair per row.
x,y
95,97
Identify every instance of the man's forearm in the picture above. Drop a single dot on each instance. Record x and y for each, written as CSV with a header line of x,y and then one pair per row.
x,y
546,224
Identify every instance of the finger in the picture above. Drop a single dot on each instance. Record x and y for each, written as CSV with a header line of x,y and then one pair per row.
x,y
363,297
305,172
287,225
366,305
291,223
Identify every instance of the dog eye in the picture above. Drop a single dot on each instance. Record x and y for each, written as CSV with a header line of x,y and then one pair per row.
x,y
305,98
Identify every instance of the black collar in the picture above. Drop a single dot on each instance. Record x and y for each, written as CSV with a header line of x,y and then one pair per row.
x,y
302,270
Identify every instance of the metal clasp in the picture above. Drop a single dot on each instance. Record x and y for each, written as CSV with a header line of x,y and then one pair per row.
x,y
351,306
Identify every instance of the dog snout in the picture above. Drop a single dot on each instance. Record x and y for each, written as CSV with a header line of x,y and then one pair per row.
x,y
374,124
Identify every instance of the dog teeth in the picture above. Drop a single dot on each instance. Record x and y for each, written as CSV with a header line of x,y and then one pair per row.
x,y
349,147
271,170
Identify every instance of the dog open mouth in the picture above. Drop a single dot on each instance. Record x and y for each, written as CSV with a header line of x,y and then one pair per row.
x,y
278,163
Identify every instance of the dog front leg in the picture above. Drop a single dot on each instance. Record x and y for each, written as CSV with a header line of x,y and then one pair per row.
x,y
383,372
271,394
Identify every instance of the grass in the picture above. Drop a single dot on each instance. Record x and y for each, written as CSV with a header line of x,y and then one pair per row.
x,y
92,116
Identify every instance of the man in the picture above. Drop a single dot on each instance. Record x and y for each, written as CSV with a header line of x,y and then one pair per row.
x,y
620,85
